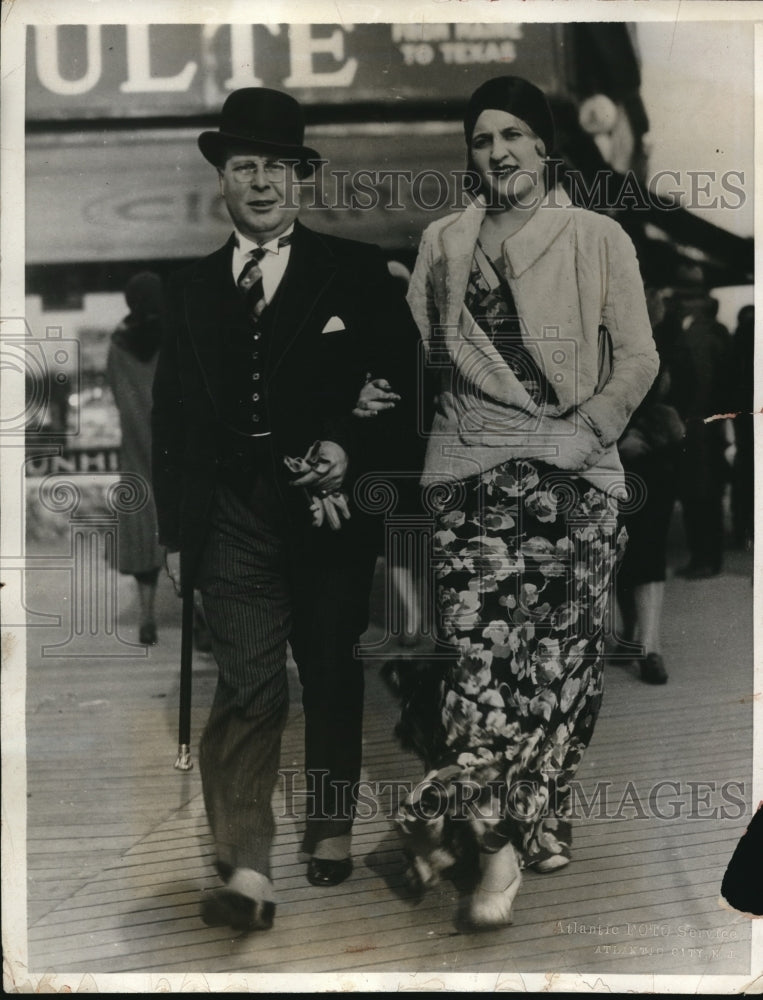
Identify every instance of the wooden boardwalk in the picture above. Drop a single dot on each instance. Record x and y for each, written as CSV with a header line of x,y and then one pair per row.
x,y
118,849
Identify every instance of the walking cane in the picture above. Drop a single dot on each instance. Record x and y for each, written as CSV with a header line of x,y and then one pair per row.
x,y
184,762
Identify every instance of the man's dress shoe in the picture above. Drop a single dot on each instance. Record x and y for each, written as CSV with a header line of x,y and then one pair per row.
x,y
323,871
228,908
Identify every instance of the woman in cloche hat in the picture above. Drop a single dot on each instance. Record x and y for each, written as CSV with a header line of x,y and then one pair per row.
x,y
534,313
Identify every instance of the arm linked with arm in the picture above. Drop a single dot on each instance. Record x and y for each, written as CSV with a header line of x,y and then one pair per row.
x,y
390,350
342,426
390,445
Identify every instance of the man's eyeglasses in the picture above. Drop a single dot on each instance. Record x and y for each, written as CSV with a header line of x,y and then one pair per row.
x,y
245,173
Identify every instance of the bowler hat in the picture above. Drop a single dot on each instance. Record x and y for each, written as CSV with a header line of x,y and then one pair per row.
x,y
261,118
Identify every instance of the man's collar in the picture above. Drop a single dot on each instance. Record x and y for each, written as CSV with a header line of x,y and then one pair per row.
x,y
246,245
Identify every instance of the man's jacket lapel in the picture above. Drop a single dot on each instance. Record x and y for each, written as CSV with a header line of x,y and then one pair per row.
x,y
310,271
205,314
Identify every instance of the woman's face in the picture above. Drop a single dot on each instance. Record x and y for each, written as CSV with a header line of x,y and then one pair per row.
x,y
508,157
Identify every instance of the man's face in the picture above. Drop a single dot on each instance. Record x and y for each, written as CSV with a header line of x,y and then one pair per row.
x,y
261,193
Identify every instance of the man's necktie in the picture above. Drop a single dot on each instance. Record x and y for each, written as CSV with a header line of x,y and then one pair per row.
x,y
250,280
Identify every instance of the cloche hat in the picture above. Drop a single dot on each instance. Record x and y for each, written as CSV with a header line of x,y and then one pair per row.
x,y
516,96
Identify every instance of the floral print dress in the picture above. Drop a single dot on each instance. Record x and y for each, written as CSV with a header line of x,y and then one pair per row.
x,y
523,556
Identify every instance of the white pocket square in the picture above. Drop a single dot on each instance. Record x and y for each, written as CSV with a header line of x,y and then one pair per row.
x,y
333,325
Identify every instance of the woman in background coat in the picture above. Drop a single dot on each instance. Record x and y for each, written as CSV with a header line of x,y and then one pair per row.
x,y
130,370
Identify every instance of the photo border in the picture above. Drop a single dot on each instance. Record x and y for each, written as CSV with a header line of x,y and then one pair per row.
x,y
16,15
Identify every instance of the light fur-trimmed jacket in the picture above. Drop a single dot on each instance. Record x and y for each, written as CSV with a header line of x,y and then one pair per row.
x,y
570,271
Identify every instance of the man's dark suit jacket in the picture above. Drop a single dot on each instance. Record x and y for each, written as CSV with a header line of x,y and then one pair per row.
x,y
312,380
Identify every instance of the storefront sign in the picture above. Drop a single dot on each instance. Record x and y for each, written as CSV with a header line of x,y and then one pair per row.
x,y
95,459
89,71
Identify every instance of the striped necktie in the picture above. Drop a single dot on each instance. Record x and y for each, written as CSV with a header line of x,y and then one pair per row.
x,y
250,280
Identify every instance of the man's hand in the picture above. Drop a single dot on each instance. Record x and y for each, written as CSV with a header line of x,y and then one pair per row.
x,y
375,396
329,466
172,565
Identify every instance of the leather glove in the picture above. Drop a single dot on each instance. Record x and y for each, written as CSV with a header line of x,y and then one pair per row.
x,y
326,508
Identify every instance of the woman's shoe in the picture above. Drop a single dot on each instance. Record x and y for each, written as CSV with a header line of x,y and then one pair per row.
x,y
554,849
552,864
491,902
148,635
423,841
653,670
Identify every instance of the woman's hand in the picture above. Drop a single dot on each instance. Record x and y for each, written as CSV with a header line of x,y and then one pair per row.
x,y
375,396
577,445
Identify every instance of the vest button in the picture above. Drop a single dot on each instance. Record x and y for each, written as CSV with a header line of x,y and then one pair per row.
x,y
256,376
255,417
255,396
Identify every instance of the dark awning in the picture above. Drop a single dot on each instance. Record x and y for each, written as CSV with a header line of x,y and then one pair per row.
x,y
656,221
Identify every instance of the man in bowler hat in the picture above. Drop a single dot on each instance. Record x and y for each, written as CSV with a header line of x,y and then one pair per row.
x,y
269,341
